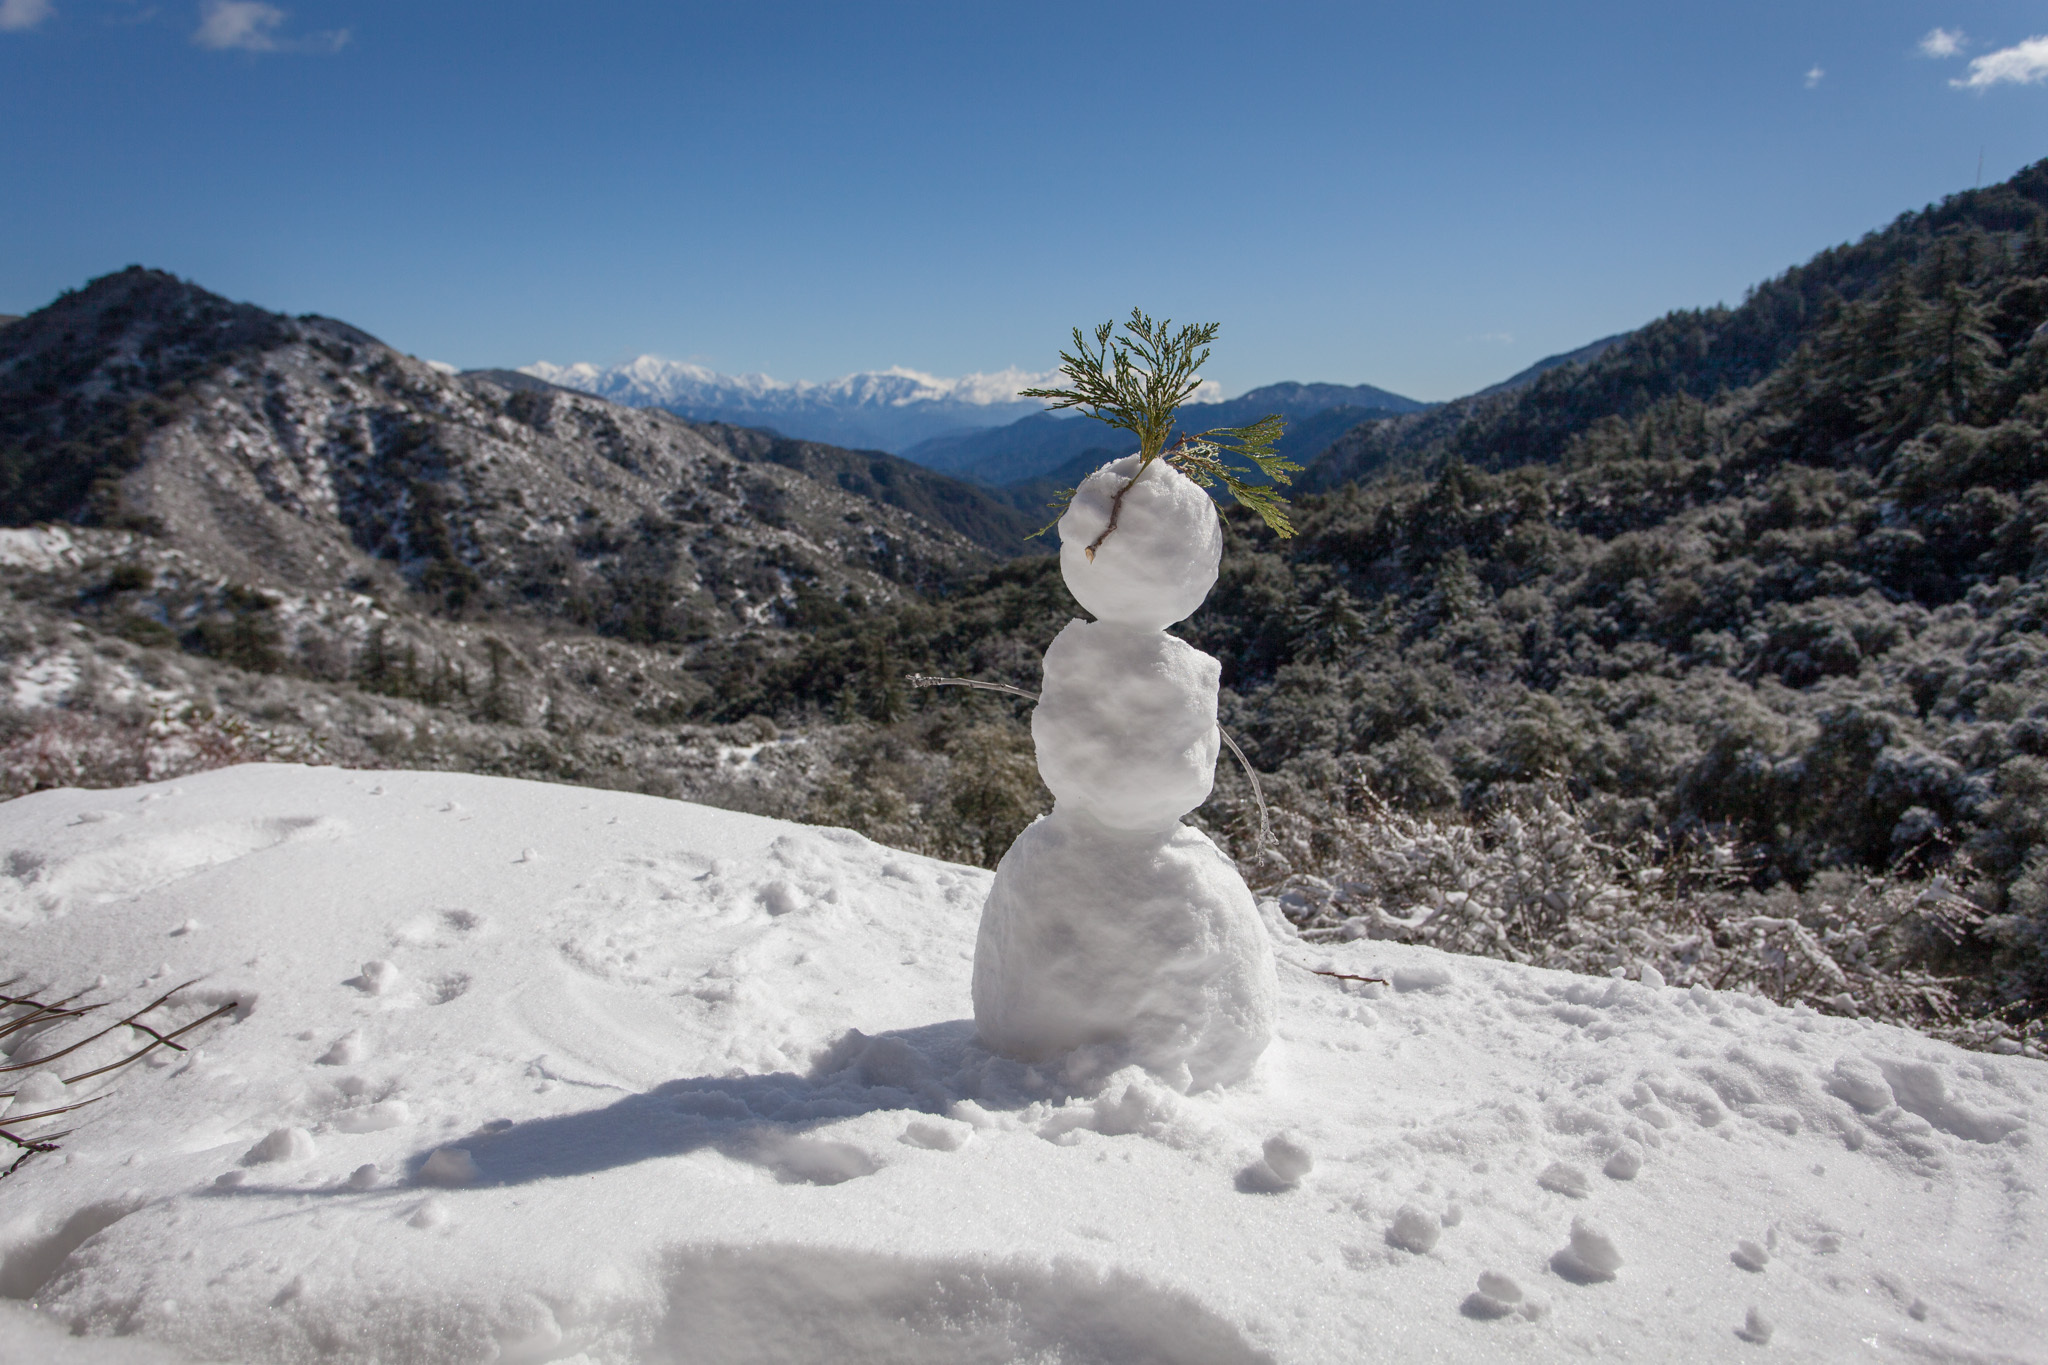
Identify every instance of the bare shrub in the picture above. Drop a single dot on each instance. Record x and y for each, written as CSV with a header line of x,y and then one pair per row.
x,y
1528,880
60,747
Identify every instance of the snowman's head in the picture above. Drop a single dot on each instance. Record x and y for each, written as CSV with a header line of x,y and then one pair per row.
x,y
1158,562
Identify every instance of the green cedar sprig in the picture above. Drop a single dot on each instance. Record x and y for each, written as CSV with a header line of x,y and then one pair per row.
x,y
1201,458
1137,381
1134,381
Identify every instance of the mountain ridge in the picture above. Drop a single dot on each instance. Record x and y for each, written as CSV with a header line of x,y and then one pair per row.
x,y
879,409
304,451
1042,446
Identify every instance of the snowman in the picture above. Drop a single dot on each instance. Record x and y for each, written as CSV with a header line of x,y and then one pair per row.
x,y
1114,934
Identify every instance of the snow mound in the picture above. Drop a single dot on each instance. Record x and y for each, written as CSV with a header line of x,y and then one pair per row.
x,y
1160,561
666,1120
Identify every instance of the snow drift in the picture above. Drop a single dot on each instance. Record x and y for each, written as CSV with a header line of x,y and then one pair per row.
x,y
581,1076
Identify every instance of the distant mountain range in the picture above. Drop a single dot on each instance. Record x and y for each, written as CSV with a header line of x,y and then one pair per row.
x,y
1041,446
874,410
974,426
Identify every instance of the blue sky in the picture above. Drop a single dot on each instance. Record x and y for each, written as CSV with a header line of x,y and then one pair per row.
x,y
1424,197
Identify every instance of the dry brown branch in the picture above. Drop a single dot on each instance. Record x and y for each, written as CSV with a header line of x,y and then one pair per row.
x,y
50,1014
1345,976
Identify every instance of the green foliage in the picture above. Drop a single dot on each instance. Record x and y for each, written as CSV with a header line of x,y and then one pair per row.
x,y
1138,381
1135,381
1206,460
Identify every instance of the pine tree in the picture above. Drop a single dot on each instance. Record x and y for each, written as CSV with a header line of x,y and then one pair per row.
x,y
1955,352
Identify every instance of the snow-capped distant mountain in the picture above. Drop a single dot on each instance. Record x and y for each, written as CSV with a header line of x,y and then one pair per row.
x,y
879,409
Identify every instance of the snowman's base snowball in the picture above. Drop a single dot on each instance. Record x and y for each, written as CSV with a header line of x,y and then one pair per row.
x,y
1140,948
1126,727
1160,561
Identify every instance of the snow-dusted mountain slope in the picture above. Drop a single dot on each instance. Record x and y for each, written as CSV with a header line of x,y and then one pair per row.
x,y
298,454
535,1073
878,409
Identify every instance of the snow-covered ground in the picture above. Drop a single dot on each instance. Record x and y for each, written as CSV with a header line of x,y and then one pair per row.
x,y
530,1073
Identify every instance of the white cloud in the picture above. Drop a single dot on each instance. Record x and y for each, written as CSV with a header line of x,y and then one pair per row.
x,y
246,24
2022,64
1814,76
23,14
1942,42
251,26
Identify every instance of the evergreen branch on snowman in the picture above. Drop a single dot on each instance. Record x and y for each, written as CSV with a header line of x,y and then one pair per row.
x,y
1136,382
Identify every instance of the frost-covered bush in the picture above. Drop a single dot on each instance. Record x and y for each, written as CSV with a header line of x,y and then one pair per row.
x,y
1529,880
53,747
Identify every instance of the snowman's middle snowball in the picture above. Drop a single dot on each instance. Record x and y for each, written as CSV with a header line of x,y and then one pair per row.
x,y
1126,724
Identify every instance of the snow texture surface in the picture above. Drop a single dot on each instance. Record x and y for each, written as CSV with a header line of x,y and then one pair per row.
x,y
615,1108
1125,728
1160,561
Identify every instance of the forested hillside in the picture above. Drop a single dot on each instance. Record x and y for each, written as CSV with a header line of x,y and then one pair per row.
x,y
1717,651
1770,576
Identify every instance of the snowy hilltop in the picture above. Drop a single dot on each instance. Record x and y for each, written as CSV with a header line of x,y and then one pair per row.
x,y
521,1072
878,409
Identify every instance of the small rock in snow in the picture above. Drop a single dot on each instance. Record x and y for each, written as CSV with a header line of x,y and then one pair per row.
x,y
379,977
447,1166
1414,1230
1625,1163
1288,1157
1590,1258
1756,1329
1562,1179
1749,1255
281,1144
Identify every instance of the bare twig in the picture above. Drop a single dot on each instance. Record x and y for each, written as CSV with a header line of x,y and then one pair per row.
x,y
1258,791
926,680
130,1022
1344,976
40,1012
